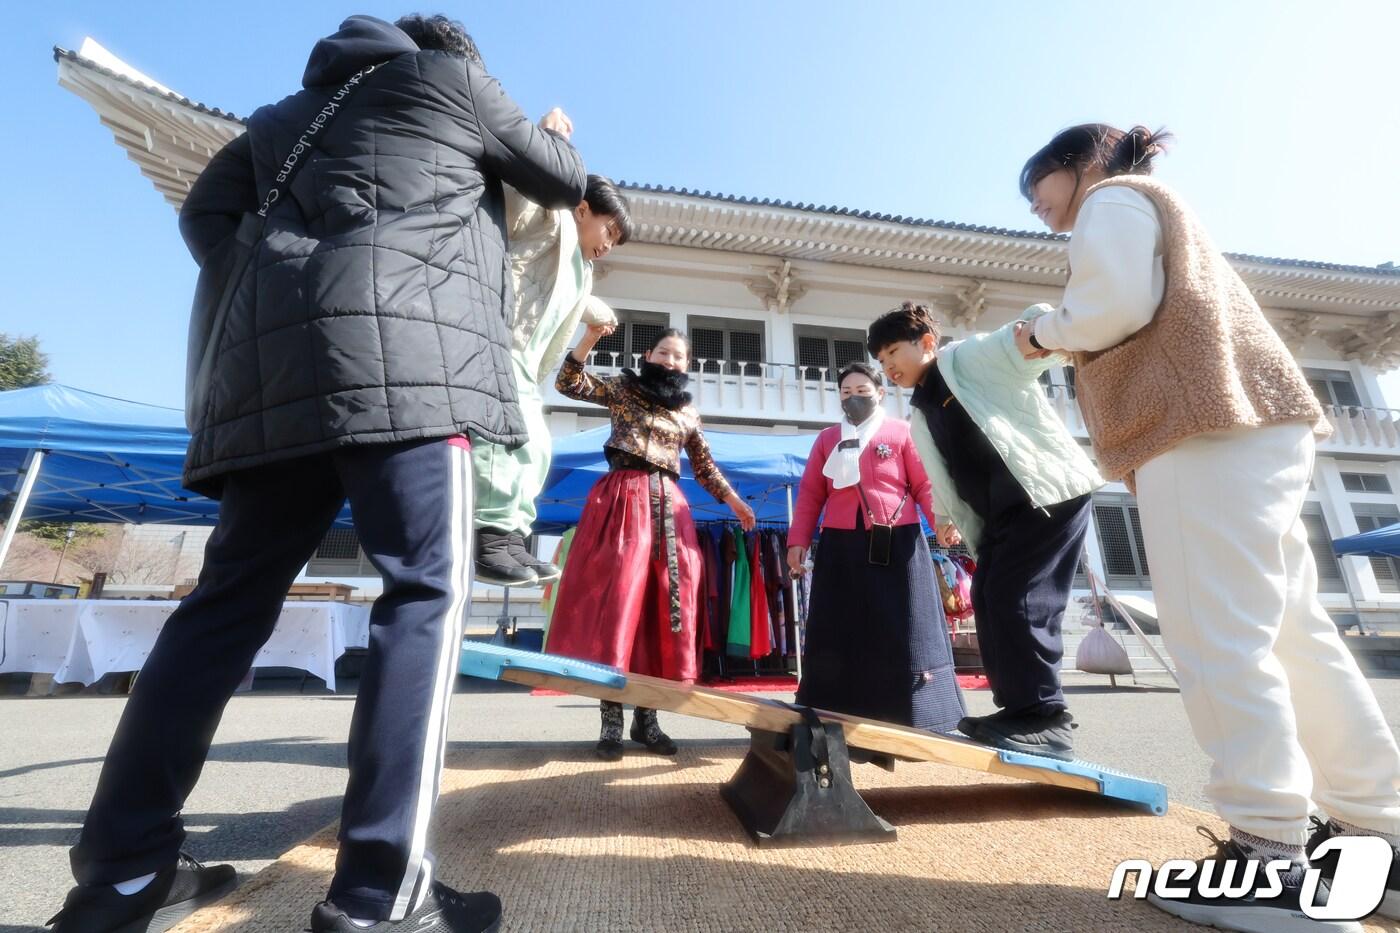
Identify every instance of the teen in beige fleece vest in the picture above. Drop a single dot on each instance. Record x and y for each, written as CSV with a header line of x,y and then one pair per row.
x,y
1192,398
1208,360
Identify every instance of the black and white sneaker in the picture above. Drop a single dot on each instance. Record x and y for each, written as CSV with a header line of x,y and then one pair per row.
x,y
1050,736
1248,913
545,572
172,895
494,563
443,911
1324,830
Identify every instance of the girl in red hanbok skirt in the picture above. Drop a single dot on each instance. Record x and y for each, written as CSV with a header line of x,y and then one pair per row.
x,y
631,587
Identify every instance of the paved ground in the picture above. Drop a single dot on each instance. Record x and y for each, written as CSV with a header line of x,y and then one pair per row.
x,y
277,768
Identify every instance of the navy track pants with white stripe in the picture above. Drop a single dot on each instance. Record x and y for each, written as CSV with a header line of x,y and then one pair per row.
x,y
412,506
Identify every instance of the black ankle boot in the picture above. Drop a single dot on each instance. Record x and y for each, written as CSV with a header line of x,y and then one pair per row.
x,y
494,563
545,572
609,746
646,731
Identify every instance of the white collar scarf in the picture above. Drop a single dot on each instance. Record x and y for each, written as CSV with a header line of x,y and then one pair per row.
x,y
843,465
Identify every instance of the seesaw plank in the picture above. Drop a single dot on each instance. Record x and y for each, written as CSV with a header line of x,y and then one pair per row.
x,y
534,669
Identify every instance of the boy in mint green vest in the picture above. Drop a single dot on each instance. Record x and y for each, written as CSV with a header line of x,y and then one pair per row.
x,y
1010,477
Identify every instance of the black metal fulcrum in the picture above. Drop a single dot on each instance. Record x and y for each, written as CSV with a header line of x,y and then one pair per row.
x,y
794,788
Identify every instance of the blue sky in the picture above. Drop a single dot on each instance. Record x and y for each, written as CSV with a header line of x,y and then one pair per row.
x,y
1287,116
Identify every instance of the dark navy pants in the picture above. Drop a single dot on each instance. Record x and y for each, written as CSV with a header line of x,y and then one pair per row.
x,y
412,506
1026,563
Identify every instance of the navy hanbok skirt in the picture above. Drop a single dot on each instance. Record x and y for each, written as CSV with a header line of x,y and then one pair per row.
x,y
877,641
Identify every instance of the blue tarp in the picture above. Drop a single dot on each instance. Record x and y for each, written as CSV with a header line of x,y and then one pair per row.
x,y
106,459
110,460
759,466
1380,542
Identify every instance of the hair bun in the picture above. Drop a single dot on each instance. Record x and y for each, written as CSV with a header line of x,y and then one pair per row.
x,y
1135,150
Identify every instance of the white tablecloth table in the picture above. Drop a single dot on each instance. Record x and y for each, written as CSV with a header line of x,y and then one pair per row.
x,y
81,640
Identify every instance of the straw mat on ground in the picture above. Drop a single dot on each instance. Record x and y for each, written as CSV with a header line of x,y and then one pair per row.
x,y
646,845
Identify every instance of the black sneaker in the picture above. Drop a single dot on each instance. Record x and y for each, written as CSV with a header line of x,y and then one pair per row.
x,y
1282,913
968,724
1049,736
1324,830
172,895
443,911
494,563
545,572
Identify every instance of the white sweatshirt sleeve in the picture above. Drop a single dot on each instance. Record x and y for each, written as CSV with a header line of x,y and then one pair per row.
x,y
1116,279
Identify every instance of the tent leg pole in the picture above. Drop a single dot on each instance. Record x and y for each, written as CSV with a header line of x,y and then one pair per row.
x,y
796,623
1355,609
30,470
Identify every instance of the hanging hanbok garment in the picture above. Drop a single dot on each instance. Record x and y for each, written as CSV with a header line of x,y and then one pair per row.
x,y
718,589
789,606
760,636
704,632
776,577
739,639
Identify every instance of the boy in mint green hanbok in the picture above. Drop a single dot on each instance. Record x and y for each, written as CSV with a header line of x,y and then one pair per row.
x,y
551,265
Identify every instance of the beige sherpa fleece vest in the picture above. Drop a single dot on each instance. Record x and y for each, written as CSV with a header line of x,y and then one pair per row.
x,y
1208,361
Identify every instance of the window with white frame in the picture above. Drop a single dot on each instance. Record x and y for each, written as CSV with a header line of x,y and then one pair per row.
x,y
1329,569
1333,387
339,555
1365,482
1369,517
635,332
823,351
1120,541
724,345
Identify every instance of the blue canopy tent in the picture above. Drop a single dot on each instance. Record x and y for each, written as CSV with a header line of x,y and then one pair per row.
x,y
1378,542
761,467
71,455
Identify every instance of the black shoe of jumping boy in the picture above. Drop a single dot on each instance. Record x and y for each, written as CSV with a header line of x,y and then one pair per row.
x,y
494,563
443,911
545,572
171,896
608,750
1322,831
1051,736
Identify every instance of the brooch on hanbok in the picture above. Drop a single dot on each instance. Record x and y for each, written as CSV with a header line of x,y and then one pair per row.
x,y
884,451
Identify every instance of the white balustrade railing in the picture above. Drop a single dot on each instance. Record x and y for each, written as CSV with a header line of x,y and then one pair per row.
x,y
809,394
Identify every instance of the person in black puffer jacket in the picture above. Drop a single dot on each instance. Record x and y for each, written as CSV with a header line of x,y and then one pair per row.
x,y
368,336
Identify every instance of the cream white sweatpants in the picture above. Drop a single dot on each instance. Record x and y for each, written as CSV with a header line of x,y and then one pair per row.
x,y
1274,697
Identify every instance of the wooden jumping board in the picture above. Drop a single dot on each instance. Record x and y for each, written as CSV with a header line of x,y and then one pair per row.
x,y
534,669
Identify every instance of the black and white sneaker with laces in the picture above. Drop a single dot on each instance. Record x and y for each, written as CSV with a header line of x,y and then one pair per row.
x,y
1324,830
172,895
443,911
1249,912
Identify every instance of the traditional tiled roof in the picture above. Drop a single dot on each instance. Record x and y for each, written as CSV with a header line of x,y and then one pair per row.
x,y
172,138
60,54
811,208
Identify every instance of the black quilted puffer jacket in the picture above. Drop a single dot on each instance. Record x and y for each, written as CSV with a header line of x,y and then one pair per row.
x,y
375,309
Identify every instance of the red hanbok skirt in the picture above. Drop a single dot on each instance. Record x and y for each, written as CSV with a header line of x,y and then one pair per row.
x,y
621,600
